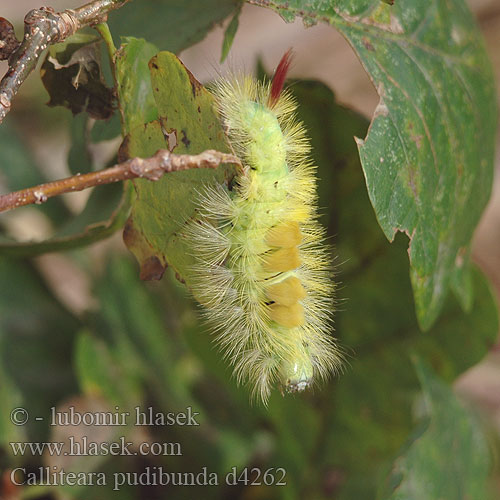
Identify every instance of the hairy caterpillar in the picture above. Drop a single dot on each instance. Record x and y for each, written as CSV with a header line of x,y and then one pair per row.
x,y
263,272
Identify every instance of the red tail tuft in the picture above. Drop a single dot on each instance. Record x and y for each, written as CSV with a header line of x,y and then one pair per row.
x,y
279,78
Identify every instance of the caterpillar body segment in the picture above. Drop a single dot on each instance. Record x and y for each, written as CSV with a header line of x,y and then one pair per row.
x,y
263,271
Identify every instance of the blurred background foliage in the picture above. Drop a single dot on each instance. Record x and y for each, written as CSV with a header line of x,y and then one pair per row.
x,y
389,427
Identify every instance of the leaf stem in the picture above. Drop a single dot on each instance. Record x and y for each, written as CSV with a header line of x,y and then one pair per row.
x,y
105,33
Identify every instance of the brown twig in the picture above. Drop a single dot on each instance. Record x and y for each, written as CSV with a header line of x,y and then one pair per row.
x,y
147,168
43,27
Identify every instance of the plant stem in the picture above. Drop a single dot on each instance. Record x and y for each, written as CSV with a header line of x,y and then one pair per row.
x,y
153,168
105,33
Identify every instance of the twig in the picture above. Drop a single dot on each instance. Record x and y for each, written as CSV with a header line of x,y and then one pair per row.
x,y
148,168
43,27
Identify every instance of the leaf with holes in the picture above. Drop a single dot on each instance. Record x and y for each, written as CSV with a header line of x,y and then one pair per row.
x,y
72,75
187,124
428,155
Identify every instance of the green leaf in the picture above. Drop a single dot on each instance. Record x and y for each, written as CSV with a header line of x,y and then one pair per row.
x,y
106,130
373,400
105,212
79,159
161,208
71,73
135,96
170,24
450,458
141,335
428,155
229,35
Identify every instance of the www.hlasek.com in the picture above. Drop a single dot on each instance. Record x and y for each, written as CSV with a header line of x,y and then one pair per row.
x,y
150,476
83,446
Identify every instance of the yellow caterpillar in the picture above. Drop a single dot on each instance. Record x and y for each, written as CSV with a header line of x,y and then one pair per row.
x,y
263,272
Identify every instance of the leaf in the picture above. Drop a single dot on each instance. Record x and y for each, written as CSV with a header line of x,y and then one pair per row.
x,y
425,471
170,24
428,155
229,35
135,96
71,74
79,159
373,400
106,130
93,363
186,115
138,340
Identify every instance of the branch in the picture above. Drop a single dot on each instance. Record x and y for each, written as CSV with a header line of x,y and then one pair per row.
x,y
43,27
163,161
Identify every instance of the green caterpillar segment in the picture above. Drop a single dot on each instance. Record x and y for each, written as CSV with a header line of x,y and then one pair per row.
x,y
298,376
263,272
263,128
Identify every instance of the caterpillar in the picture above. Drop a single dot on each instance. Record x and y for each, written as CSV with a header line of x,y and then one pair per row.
x,y
263,271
